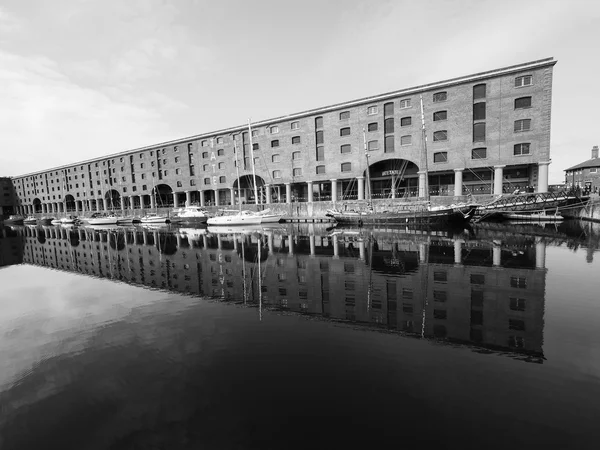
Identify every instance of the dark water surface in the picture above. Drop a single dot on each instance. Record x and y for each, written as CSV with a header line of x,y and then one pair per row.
x,y
299,336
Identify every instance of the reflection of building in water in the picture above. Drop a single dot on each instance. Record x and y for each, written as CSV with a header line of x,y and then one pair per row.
x,y
11,247
433,286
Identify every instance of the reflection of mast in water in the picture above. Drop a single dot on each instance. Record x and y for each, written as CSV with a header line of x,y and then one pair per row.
x,y
424,260
243,240
259,279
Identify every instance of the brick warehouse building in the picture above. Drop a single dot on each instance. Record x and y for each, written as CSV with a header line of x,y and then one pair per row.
x,y
486,133
585,175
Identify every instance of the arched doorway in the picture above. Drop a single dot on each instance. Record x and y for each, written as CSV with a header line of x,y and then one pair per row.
x,y
246,189
393,178
37,205
112,200
163,194
69,203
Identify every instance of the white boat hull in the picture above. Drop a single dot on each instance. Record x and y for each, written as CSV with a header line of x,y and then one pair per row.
x,y
235,219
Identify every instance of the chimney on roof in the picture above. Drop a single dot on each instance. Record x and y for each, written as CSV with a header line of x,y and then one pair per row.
x,y
595,151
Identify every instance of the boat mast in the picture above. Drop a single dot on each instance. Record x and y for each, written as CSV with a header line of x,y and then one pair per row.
x,y
237,173
424,155
252,162
368,168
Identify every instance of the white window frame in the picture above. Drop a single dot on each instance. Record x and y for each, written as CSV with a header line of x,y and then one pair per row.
x,y
405,103
295,125
274,129
521,80
372,110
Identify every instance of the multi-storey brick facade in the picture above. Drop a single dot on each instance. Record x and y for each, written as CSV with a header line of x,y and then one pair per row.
x,y
585,175
485,133
436,286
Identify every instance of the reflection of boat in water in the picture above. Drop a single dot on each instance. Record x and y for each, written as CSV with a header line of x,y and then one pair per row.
x,y
30,220
45,220
193,233
247,229
14,220
545,216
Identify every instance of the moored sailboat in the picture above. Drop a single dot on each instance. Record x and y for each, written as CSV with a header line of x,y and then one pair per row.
x,y
419,213
154,217
245,217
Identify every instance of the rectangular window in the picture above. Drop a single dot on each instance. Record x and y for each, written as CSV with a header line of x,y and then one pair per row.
x,y
274,129
526,80
255,133
295,139
222,179
295,125
207,181
346,148
320,153
344,115
440,277
441,135
478,91
479,111
318,122
275,143
275,158
406,121
192,171
440,157
440,115
373,145
297,172
406,140
518,282
522,125
219,140
192,182
372,110
388,125
517,304
479,132
477,278
205,154
221,152
320,169
277,174
346,167
479,153
405,103
319,137
523,102
388,144
296,155
388,109
440,97
178,171
345,131
255,146
372,126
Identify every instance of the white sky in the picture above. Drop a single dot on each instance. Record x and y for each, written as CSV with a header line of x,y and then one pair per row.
x,y
85,78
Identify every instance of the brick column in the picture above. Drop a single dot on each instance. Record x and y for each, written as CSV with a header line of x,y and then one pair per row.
x,y
216,191
175,200
201,198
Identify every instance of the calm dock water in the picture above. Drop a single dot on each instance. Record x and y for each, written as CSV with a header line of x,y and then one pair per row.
x,y
299,335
